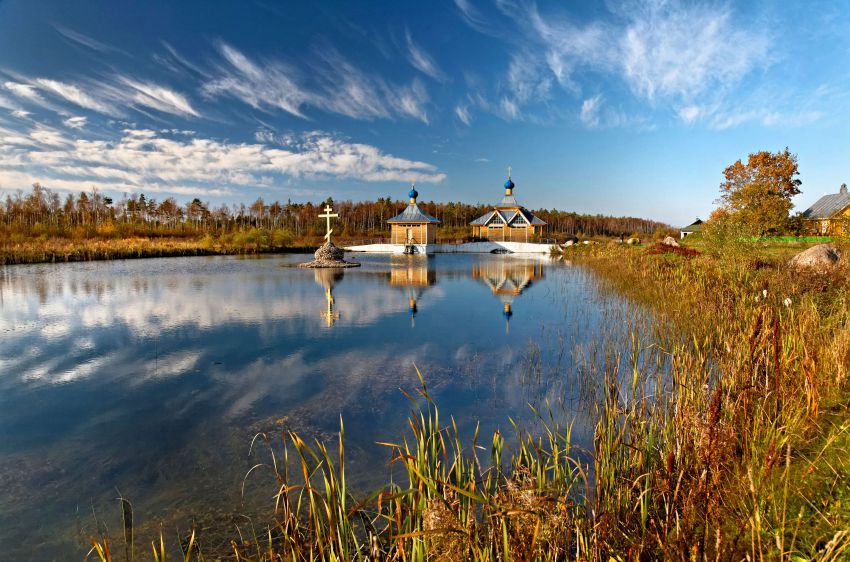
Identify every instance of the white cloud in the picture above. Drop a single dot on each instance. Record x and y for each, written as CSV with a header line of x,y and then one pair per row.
x,y
667,52
75,122
26,91
509,108
681,50
336,86
462,113
690,113
85,40
143,159
421,60
21,114
589,114
159,98
106,96
75,95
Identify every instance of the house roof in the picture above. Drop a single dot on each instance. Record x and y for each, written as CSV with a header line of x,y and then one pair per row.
x,y
508,216
414,214
695,226
828,206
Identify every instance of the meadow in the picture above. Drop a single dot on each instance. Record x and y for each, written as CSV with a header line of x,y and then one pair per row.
x,y
722,433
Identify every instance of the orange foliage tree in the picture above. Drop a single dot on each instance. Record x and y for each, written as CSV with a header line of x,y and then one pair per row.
x,y
758,194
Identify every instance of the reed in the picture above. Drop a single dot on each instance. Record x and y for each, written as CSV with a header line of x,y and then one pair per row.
x,y
722,433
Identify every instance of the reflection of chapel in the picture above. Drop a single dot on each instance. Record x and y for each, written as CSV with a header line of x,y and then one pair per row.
x,y
507,280
413,225
414,276
508,221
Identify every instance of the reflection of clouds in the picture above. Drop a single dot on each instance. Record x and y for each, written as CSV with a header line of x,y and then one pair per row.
x,y
69,311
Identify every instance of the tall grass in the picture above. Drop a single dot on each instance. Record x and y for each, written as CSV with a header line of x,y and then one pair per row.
x,y
737,448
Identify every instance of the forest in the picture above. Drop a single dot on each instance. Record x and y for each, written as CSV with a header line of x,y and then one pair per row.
x,y
44,212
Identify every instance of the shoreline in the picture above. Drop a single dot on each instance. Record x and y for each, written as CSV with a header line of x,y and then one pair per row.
x,y
121,249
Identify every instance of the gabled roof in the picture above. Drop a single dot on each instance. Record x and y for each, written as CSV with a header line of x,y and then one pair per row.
x,y
828,206
695,226
527,215
482,220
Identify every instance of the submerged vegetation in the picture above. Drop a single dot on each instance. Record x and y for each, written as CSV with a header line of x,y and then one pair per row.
x,y
722,433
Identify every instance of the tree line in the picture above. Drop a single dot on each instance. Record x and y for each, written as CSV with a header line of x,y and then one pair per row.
x,y
45,211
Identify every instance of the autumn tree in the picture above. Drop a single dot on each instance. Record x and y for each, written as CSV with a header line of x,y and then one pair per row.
x,y
758,194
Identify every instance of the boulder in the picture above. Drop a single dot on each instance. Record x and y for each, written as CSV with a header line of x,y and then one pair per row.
x,y
329,255
670,241
822,257
569,243
633,241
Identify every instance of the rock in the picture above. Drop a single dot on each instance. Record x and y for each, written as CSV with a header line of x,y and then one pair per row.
x,y
670,241
819,258
329,255
634,241
569,243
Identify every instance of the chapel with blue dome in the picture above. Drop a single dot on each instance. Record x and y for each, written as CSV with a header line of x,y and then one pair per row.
x,y
413,226
508,220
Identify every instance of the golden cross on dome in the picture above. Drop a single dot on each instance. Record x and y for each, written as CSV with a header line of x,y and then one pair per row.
x,y
329,215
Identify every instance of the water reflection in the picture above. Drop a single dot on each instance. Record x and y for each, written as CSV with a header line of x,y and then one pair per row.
x,y
413,274
507,280
152,376
327,278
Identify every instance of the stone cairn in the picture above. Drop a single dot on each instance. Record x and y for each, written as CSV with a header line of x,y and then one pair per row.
x,y
328,255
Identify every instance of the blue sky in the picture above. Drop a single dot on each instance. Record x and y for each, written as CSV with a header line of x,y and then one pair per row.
x,y
621,107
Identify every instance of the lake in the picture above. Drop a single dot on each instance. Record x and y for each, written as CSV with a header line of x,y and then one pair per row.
x,y
149,378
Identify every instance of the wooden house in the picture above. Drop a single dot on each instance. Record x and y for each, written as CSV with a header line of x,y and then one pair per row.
x,y
692,228
413,225
830,215
508,221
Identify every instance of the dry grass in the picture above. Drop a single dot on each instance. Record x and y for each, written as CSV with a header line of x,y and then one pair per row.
x,y
735,446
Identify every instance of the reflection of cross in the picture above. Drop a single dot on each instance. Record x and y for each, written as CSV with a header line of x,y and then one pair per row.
x,y
329,215
330,315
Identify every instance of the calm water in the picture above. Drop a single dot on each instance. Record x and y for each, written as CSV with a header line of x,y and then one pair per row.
x,y
150,377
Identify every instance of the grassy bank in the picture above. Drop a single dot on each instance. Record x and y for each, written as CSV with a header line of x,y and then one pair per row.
x,y
61,249
734,445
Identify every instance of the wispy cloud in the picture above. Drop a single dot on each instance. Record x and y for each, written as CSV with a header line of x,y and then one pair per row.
x,y
671,54
473,17
147,160
86,41
109,96
681,50
75,122
462,113
333,84
25,91
589,114
75,95
421,60
158,97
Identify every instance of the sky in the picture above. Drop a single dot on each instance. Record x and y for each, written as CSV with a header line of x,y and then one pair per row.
x,y
622,107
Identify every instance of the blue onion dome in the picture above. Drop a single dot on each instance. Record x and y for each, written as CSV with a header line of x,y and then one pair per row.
x,y
413,194
509,184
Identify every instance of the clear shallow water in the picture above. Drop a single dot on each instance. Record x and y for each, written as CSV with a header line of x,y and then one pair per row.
x,y
150,377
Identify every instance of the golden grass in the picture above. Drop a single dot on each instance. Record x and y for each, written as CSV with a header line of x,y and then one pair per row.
x,y
734,446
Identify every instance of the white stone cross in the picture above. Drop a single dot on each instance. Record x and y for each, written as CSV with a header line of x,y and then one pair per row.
x,y
329,215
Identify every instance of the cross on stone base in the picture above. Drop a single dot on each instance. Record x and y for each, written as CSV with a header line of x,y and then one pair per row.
x,y
329,215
